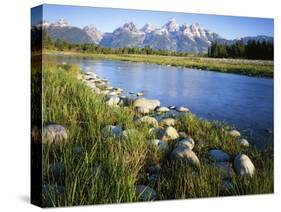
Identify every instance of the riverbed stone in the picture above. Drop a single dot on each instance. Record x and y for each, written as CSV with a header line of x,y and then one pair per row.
x,y
168,122
182,109
162,109
111,131
244,143
243,165
54,134
187,142
148,120
155,132
145,193
218,155
185,155
234,133
224,168
113,100
151,104
142,110
170,133
161,145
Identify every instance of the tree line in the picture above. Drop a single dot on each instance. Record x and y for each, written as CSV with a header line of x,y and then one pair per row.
x,y
260,50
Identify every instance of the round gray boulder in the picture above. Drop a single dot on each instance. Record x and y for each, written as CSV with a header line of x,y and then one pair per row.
x,y
151,104
185,155
54,134
187,142
111,131
170,133
243,165
218,155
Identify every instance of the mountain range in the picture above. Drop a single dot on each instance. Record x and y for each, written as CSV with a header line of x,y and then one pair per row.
x,y
171,36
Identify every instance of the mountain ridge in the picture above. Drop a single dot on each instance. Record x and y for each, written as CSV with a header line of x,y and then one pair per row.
x,y
170,36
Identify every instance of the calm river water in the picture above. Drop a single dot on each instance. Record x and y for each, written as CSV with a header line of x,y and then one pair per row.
x,y
242,101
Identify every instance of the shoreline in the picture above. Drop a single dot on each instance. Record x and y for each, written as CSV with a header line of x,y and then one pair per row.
x,y
119,147
255,68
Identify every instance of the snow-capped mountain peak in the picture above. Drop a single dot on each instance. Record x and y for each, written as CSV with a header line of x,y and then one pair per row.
x,y
60,23
172,25
148,28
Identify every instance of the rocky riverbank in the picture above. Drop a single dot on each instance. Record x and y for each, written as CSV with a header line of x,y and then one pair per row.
x,y
165,135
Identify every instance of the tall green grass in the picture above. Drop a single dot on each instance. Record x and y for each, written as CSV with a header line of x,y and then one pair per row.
x,y
107,170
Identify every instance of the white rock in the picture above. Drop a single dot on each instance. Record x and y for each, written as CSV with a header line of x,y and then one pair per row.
x,y
218,155
148,120
244,143
185,155
151,104
156,132
161,145
111,131
140,94
142,110
162,109
243,165
170,133
187,142
234,133
113,100
145,193
54,134
182,109
168,122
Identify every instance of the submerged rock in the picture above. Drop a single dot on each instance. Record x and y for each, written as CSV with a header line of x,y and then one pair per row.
x,y
185,155
54,134
243,165
218,155
151,104
145,193
170,133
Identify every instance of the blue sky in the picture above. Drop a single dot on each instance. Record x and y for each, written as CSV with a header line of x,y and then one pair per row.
x,y
106,20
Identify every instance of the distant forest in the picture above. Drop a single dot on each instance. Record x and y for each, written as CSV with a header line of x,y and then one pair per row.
x,y
252,50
